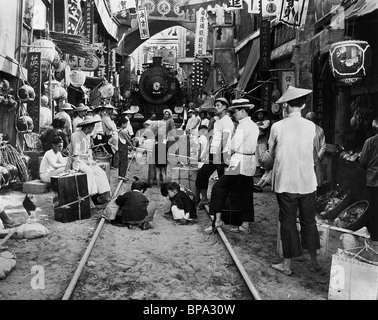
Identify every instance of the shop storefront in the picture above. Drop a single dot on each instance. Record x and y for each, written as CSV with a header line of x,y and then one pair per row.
x,y
345,88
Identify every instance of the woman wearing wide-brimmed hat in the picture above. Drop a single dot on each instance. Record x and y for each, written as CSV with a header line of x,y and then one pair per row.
x,y
82,160
79,114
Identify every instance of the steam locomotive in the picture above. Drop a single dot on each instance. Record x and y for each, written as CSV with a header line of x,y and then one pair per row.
x,y
159,89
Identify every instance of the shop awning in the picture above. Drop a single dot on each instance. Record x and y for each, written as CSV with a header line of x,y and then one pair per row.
x,y
361,8
111,27
252,60
284,50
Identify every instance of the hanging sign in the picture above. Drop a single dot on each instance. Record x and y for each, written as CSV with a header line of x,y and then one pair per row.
x,y
269,8
34,62
88,16
143,23
350,60
293,13
265,45
200,43
85,64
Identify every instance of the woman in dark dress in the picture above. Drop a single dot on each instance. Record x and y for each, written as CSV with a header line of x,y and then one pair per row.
x,y
56,129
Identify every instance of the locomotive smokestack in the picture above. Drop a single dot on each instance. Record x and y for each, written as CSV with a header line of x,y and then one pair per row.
x,y
156,61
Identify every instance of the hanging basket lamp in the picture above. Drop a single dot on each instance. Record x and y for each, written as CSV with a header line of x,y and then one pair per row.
x,y
46,47
26,93
350,61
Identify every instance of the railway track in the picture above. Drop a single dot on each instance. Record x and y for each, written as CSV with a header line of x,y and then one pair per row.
x,y
102,226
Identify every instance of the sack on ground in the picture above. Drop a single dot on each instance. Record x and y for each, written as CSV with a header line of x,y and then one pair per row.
x,y
30,231
7,263
111,210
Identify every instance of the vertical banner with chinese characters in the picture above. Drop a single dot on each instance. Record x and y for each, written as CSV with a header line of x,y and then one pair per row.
x,y
293,13
143,23
88,20
200,43
265,45
287,79
266,95
34,79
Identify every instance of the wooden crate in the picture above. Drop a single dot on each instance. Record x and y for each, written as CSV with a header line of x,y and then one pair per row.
x,y
71,199
185,176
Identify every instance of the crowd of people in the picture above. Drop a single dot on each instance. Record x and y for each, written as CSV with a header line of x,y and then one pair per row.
x,y
233,143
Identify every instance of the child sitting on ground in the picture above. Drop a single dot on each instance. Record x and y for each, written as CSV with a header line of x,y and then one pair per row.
x,y
183,207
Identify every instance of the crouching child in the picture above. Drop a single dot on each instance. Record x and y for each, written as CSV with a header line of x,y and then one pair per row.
x,y
183,207
135,210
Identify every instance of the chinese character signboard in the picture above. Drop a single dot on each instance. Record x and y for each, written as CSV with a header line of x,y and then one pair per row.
x,y
143,23
293,12
266,94
34,79
265,45
74,16
88,20
234,5
200,43
85,64
287,79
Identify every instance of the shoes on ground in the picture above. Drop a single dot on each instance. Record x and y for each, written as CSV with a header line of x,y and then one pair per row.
x,y
257,188
279,267
241,230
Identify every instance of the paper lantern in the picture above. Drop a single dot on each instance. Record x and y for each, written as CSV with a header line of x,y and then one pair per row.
x,y
25,124
26,93
46,47
107,90
350,60
77,78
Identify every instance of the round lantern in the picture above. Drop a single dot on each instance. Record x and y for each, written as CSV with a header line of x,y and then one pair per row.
x,y
46,47
350,60
26,93
106,91
77,78
25,124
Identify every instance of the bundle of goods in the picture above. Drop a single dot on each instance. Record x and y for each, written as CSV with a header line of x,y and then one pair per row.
x,y
332,203
10,156
351,215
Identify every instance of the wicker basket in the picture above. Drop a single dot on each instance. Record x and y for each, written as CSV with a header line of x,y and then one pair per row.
x,y
100,154
341,219
340,206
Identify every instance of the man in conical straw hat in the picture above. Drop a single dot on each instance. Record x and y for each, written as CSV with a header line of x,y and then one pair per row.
x,y
291,145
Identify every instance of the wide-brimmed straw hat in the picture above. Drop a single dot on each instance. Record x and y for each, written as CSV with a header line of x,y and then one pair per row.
x,y
87,121
82,107
293,93
241,103
260,110
67,106
223,100
168,110
108,106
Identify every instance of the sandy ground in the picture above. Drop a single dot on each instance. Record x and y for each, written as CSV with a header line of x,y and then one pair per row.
x,y
169,262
